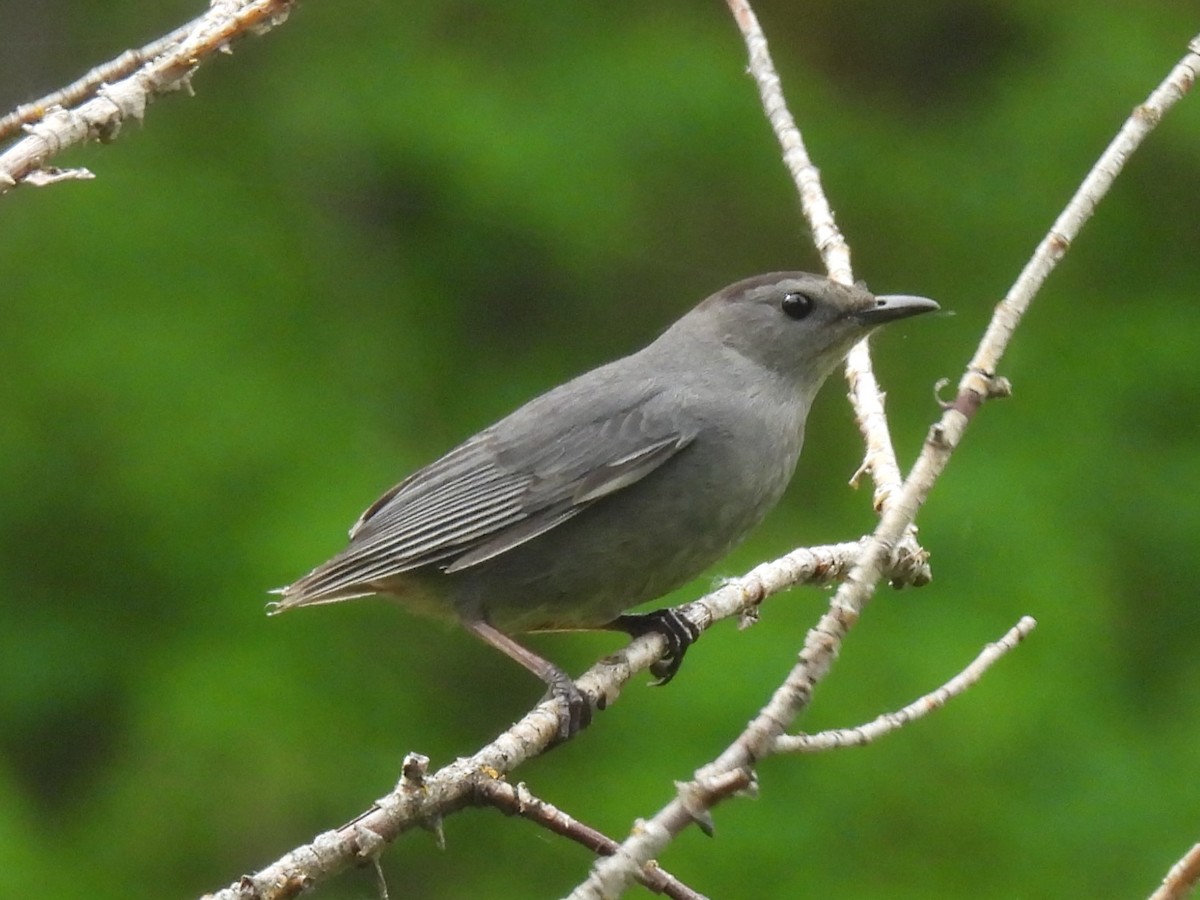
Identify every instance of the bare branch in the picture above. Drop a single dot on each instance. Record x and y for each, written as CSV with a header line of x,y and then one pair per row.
x,y
740,597
612,875
865,396
1182,879
101,117
78,91
422,800
1067,226
828,238
919,708
518,801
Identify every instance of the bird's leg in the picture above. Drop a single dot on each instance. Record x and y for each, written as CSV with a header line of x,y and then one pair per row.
x,y
677,631
578,710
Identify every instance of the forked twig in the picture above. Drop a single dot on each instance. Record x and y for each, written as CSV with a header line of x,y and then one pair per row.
x,y
519,801
885,724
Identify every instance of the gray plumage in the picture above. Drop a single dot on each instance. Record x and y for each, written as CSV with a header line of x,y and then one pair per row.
x,y
619,485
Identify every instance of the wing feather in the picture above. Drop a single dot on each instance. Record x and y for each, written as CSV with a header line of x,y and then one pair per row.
x,y
500,489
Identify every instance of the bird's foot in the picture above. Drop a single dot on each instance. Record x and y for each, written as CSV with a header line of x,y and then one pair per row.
x,y
575,710
677,631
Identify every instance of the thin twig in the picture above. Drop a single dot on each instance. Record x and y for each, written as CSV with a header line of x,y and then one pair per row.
x,y
78,91
879,460
828,238
1182,879
101,117
885,724
1067,226
611,876
519,801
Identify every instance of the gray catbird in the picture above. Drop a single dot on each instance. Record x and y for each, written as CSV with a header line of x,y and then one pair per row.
x,y
616,487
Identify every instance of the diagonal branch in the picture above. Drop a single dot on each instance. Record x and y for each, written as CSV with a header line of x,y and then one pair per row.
x,y
866,397
1182,879
1069,223
83,88
111,105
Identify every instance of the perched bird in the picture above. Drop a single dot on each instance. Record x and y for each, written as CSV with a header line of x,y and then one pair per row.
x,y
616,487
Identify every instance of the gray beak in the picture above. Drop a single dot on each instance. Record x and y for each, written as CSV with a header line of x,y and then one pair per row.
x,y
890,307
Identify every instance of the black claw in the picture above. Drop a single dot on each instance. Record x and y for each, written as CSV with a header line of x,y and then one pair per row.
x,y
678,631
664,670
576,712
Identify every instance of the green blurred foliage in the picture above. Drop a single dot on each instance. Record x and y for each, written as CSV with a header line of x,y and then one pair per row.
x,y
384,225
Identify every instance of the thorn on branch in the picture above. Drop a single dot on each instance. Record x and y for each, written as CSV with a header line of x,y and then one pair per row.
x,y
292,886
863,469
749,617
910,564
434,826
938,387
976,387
694,800
369,843
413,771
998,388
380,881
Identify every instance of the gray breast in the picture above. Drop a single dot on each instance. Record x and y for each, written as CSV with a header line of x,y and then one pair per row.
x,y
652,537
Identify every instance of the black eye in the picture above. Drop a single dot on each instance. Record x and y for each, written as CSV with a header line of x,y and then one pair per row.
x,y
796,305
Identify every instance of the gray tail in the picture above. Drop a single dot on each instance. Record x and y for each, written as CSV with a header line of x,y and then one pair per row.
x,y
325,584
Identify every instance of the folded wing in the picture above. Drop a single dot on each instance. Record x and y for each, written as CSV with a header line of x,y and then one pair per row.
x,y
523,476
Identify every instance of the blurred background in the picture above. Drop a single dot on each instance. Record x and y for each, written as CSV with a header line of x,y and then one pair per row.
x,y
385,225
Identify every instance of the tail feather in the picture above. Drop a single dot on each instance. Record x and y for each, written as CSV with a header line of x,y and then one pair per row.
x,y
319,586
